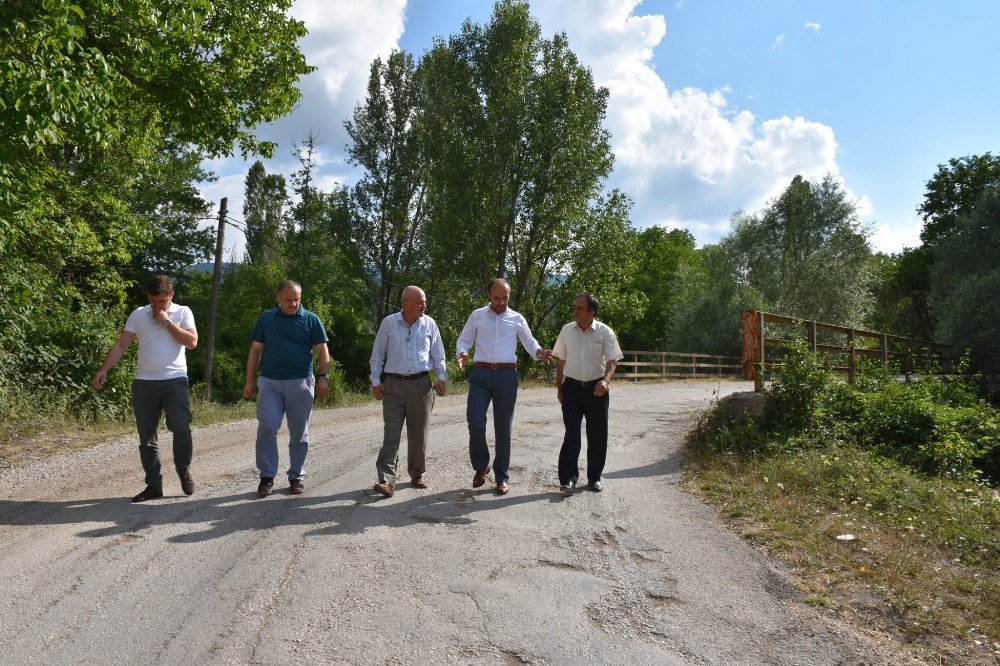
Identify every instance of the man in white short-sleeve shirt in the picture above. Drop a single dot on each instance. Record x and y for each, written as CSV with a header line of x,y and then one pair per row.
x,y
588,352
164,330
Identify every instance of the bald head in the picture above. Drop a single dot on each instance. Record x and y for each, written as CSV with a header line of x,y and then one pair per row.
x,y
414,302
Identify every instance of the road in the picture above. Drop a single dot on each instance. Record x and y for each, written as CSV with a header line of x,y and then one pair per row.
x,y
642,573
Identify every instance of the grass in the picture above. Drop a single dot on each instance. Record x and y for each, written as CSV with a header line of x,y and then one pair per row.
x,y
923,565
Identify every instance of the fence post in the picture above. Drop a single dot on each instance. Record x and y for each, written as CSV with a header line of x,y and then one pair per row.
x,y
812,335
851,356
758,382
885,350
908,362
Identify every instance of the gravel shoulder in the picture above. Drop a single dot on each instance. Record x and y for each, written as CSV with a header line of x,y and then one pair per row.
x,y
641,573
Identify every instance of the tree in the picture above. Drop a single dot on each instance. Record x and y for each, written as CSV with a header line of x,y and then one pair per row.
x,y
966,281
515,151
105,110
661,254
263,214
899,291
954,191
806,253
389,200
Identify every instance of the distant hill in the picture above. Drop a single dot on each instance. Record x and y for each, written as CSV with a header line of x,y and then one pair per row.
x,y
209,266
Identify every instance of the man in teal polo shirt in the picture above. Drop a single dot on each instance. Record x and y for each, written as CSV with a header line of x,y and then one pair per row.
x,y
286,337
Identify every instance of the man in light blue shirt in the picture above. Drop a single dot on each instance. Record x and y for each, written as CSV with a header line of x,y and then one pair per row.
x,y
494,330
407,347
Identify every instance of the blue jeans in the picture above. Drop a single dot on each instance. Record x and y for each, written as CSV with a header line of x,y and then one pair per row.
x,y
500,388
276,399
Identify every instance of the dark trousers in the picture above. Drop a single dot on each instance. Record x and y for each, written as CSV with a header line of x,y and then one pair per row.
x,y
499,387
150,399
579,402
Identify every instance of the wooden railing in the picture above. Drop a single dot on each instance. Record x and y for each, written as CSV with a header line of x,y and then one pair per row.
x,y
885,347
665,364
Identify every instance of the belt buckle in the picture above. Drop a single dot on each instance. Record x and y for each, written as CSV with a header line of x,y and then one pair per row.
x,y
588,384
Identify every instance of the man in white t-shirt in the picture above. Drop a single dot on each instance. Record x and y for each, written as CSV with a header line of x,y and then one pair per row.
x,y
164,330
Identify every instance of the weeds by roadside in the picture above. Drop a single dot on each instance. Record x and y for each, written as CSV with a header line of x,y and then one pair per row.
x,y
876,496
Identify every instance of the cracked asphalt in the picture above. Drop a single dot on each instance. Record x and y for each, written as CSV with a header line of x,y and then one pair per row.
x,y
642,573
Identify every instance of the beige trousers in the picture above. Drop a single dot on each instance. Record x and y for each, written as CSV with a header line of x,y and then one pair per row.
x,y
409,401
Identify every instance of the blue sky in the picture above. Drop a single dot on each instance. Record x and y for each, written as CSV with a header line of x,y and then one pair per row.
x,y
714,106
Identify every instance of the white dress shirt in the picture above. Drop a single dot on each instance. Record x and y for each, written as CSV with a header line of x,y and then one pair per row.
x,y
495,336
586,352
407,349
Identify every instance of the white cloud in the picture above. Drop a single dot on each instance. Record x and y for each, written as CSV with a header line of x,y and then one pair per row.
x,y
686,156
344,38
812,25
894,239
778,41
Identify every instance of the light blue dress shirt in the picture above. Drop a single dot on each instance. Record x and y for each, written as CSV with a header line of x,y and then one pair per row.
x,y
406,349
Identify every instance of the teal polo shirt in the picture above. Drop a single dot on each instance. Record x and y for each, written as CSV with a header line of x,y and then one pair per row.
x,y
288,342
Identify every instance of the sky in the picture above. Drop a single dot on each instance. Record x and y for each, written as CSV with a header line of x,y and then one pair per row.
x,y
714,105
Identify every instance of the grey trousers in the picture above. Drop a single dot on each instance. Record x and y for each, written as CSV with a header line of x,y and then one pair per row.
x,y
150,399
409,401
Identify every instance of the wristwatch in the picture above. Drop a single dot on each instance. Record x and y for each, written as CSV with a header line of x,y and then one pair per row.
x,y
321,374
167,323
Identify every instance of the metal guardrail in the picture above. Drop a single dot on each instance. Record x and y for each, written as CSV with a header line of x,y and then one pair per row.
x,y
676,365
885,348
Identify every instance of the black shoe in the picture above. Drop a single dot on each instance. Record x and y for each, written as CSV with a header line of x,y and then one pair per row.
x,y
266,486
150,493
187,483
596,486
568,487
295,486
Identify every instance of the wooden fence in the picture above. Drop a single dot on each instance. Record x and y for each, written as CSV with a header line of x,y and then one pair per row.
x,y
855,343
665,364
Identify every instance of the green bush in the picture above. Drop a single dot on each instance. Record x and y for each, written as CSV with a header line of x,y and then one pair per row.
x,y
937,426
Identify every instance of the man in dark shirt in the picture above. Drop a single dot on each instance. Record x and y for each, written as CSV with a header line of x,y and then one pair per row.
x,y
286,337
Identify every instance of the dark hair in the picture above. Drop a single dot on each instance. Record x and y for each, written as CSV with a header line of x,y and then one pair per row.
x,y
285,284
592,303
489,287
159,285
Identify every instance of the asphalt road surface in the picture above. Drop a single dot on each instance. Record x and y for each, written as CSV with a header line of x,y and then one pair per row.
x,y
642,573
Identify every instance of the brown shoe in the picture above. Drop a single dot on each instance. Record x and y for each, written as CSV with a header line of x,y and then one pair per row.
x,y
420,482
502,488
480,477
385,488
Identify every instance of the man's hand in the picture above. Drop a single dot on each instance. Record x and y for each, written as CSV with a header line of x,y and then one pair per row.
x,y
544,355
439,387
159,316
99,378
461,360
322,387
601,388
378,392
250,389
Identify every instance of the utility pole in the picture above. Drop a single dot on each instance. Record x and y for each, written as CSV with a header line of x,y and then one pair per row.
x,y
214,304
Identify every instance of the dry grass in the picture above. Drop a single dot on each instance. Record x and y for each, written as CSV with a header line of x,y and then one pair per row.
x,y
924,562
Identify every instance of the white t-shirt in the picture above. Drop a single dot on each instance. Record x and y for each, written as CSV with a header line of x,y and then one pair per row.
x,y
160,356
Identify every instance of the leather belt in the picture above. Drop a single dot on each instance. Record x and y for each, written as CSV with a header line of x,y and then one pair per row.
x,y
495,366
408,377
583,384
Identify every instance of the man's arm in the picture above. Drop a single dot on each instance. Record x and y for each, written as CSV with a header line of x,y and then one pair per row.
x,y
114,355
438,360
323,378
377,360
609,372
530,344
253,360
559,378
186,337
466,339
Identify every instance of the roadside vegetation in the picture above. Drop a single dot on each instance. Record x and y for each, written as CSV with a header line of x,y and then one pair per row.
x,y
882,496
